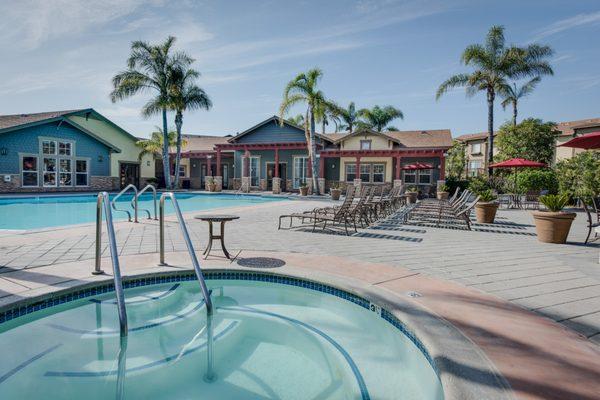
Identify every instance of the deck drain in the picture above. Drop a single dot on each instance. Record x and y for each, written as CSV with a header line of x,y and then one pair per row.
x,y
261,262
414,294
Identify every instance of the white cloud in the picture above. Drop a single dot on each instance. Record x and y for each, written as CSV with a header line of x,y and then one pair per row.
x,y
569,23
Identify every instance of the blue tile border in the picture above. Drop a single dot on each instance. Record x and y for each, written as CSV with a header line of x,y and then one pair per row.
x,y
74,295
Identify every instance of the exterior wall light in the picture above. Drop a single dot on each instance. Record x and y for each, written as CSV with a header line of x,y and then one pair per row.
x,y
100,158
3,151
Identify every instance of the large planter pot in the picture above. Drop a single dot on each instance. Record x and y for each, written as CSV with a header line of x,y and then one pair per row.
x,y
411,197
335,194
304,191
442,195
212,187
486,212
553,227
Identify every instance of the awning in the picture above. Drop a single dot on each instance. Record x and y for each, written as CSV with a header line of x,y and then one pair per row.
x,y
417,165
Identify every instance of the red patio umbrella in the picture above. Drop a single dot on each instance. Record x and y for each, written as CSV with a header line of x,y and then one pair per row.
x,y
417,165
518,163
588,141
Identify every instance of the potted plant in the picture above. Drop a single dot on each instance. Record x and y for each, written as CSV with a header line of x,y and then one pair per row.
x,y
486,207
553,225
212,185
303,189
335,191
442,192
411,194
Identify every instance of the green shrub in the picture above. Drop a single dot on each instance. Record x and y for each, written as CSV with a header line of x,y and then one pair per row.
x,y
487,196
536,179
454,183
579,176
412,189
443,188
479,184
555,202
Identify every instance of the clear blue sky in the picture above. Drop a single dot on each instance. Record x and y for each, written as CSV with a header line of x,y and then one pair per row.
x,y
62,54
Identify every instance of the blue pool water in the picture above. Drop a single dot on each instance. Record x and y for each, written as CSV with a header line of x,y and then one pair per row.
x,y
48,211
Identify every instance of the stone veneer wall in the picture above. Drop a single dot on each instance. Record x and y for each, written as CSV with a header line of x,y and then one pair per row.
x,y
97,183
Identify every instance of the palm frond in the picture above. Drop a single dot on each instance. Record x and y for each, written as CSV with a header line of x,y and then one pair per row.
x,y
459,80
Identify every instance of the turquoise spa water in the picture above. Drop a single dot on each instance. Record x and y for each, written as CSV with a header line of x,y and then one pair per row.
x,y
272,341
49,211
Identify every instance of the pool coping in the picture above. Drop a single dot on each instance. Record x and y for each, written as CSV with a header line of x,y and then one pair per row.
x,y
441,340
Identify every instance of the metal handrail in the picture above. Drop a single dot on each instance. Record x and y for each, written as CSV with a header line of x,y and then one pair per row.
x,y
103,200
135,207
135,200
199,275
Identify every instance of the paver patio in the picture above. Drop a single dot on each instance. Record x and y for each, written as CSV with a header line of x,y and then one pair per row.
x,y
561,282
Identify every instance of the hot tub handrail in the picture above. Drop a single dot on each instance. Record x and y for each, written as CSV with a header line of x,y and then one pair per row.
x,y
113,203
139,193
199,275
104,201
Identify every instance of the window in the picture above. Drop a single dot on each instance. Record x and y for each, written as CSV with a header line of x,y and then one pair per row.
x,y
81,173
365,145
378,173
424,176
476,148
350,172
182,171
474,167
64,148
300,171
365,172
49,171
254,163
65,172
410,176
48,147
29,170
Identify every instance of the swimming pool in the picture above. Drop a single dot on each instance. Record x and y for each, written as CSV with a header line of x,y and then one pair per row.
x,y
275,337
38,212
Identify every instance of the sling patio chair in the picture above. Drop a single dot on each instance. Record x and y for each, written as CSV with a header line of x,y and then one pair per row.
x,y
590,210
347,214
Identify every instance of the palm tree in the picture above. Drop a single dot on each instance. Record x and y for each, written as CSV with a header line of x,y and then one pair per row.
x,y
185,95
378,118
512,94
303,90
297,120
154,145
148,70
348,116
494,64
327,112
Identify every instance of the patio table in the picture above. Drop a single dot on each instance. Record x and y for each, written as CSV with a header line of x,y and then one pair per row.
x,y
211,236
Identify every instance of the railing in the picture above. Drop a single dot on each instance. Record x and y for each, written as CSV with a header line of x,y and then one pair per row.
x,y
135,201
103,202
113,203
199,275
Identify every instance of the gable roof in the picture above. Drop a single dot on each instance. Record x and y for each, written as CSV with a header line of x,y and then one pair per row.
x,y
274,118
414,139
18,120
568,128
472,136
203,143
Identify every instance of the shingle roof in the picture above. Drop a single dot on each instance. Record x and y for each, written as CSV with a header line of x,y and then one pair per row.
x,y
425,138
473,136
567,128
335,136
11,121
200,143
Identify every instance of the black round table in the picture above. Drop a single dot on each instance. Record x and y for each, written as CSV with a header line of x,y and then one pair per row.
x,y
211,236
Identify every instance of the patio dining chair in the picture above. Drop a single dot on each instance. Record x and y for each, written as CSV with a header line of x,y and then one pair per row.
x,y
591,224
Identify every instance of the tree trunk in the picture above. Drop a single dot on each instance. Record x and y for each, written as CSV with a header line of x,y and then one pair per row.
x,y
490,100
313,152
178,124
165,151
515,113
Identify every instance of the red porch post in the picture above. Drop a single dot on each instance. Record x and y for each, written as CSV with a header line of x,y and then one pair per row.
x,y
246,170
357,167
442,167
398,167
276,162
321,167
208,166
218,162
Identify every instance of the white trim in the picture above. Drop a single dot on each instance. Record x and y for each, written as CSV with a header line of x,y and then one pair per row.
x,y
294,175
37,170
250,165
87,173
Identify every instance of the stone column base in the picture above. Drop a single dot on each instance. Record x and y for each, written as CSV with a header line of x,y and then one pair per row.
x,y
245,187
276,185
397,182
321,182
357,186
218,183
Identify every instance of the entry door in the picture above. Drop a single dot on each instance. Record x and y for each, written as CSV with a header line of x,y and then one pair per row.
x,y
202,175
225,168
130,174
270,175
283,176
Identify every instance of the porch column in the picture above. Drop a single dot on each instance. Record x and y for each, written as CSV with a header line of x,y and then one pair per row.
x,y
218,162
208,165
442,167
398,180
245,186
219,177
276,178
357,180
309,175
276,163
321,180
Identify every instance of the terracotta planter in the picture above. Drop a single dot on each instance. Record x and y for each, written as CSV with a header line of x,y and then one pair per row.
x,y
212,187
443,195
486,212
304,191
335,194
411,197
553,227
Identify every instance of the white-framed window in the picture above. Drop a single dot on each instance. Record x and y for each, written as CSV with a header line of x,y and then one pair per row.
x,y
49,171
476,148
29,171
365,145
300,171
65,177
81,172
424,176
49,147
474,167
410,176
378,173
65,148
254,163
182,171
350,172
365,172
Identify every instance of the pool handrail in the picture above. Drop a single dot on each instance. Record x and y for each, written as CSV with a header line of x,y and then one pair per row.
x,y
135,207
199,275
103,202
135,201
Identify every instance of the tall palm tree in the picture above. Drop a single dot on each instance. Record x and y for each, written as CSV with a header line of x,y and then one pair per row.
x,y
297,120
303,90
494,63
348,116
154,145
326,113
512,94
148,70
378,118
185,95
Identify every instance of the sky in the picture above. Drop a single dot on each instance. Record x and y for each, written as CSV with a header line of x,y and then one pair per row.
x,y
62,54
